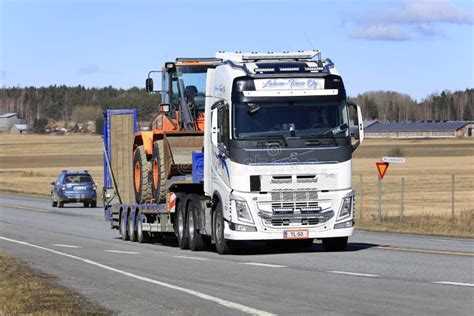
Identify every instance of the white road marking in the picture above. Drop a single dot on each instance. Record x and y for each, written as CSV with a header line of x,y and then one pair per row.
x,y
192,258
66,246
264,265
454,283
228,304
355,274
124,252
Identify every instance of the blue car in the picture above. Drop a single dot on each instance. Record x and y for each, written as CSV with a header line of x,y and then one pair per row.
x,y
74,187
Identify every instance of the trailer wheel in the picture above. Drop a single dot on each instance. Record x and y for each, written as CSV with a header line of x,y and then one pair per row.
x,y
335,244
54,204
222,245
158,176
132,233
181,226
195,238
123,227
142,237
141,182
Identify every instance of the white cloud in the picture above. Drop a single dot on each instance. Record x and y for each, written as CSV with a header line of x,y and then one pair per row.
x,y
381,32
410,19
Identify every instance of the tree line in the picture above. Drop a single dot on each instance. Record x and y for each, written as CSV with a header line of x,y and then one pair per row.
x,y
74,104
38,106
397,107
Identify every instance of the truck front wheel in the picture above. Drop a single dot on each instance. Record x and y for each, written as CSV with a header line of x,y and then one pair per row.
x,y
222,245
335,244
141,183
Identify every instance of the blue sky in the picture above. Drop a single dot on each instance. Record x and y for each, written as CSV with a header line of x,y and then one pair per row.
x,y
413,47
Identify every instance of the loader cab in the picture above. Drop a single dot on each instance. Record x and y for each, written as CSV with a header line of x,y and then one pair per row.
x,y
184,84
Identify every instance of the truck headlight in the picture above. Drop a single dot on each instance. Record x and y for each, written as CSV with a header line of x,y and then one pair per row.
x,y
243,212
346,208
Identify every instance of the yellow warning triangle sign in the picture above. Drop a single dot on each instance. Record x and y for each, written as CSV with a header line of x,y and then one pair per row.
x,y
382,168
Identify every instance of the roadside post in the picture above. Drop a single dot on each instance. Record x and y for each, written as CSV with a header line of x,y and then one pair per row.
x,y
382,167
452,197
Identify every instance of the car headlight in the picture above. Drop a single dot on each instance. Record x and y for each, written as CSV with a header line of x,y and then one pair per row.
x,y
243,212
346,208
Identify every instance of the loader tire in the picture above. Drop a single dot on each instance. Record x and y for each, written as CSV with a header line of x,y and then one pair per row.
x,y
158,176
141,184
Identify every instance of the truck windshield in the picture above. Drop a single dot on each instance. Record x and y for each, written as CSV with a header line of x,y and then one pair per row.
x,y
194,83
299,119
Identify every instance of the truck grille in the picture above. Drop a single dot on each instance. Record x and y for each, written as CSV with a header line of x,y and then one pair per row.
x,y
288,196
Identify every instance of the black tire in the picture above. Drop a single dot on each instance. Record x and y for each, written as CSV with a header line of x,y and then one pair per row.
x,y
142,237
61,204
93,204
335,244
181,226
141,184
132,233
158,175
54,204
123,227
195,238
222,245
86,204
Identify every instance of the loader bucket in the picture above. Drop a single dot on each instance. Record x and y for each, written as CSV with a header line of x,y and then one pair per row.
x,y
178,148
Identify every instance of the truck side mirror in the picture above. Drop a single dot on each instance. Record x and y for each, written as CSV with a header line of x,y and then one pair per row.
x,y
149,85
359,126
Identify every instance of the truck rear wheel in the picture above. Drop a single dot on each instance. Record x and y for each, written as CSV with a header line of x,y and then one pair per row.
x,y
158,176
222,245
132,233
195,238
141,182
181,226
335,244
142,237
123,227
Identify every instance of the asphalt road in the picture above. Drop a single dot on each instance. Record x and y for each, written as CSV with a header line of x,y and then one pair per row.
x,y
378,273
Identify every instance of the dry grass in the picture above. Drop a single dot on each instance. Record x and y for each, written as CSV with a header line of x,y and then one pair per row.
x,y
27,291
29,162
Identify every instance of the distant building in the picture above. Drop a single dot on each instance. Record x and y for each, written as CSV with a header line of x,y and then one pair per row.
x,y
423,129
7,121
19,129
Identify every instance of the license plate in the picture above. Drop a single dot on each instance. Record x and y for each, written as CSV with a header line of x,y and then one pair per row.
x,y
295,234
79,188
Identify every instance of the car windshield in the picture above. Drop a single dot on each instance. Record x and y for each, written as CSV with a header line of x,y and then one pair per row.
x,y
299,119
194,82
78,178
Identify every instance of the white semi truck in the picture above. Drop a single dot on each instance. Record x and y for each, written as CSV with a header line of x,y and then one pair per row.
x,y
276,160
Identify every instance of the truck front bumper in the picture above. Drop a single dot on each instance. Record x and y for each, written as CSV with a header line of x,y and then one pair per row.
x,y
323,231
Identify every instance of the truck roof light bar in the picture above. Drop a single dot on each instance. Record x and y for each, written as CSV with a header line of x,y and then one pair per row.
x,y
314,68
264,70
254,56
200,59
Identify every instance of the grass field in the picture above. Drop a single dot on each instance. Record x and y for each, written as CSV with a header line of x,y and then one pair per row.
x,y
25,291
29,162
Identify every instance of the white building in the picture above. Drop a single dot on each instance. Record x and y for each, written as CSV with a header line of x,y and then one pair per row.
x,y
7,121
19,129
